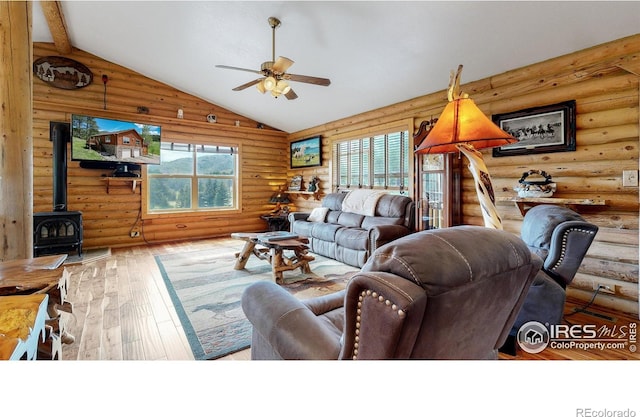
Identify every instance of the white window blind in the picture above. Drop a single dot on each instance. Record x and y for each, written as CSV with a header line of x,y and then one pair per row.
x,y
376,162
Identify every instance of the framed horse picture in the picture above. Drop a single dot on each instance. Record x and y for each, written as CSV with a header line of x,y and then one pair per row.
x,y
539,130
306,153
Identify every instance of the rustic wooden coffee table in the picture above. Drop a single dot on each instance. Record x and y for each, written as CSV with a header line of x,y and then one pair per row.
x,y
273,252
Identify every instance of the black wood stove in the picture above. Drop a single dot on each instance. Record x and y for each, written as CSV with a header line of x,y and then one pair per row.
x,y
58,231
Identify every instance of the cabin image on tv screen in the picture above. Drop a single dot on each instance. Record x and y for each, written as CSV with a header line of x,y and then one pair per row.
x,y
100,139
123,145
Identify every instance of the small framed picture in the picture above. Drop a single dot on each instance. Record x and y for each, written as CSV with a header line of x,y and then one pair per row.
x,y
296,183
306,153
539,130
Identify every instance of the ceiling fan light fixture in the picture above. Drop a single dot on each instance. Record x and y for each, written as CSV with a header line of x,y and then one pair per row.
x,y
260,87
269,83
283,87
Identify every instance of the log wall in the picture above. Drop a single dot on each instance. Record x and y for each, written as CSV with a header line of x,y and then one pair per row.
x,y
604,81
109,218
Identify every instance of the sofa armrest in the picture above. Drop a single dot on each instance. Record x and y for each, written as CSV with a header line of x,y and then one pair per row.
x,y
325,303
383,316
288,325
298,216
382,234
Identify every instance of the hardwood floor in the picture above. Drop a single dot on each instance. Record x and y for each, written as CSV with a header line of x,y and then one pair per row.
x,y
122,311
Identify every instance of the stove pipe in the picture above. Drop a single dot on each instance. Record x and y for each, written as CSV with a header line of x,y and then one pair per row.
x,y
59,134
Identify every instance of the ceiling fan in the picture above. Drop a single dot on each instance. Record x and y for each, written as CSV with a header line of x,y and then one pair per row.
x,y
274,76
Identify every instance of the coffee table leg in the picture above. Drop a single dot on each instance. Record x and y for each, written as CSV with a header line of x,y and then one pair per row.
x,y
276,264
243,256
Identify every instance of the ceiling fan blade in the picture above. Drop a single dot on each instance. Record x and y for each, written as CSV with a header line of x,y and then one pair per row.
x,y
282,64
291,95
239,69
307,79
249,84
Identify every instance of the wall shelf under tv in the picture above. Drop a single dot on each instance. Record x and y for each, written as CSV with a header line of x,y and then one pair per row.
x,y
120,180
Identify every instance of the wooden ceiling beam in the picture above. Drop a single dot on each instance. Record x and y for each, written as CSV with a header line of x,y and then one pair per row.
x,y
55,19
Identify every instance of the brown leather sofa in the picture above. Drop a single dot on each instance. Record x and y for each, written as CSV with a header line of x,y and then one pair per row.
x,y
439,294
349,237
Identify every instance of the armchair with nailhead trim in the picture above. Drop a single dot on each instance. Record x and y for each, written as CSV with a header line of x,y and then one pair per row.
x,y
437,294
561,237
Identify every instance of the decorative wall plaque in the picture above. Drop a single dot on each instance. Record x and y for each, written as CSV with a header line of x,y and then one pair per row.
x,y
62,72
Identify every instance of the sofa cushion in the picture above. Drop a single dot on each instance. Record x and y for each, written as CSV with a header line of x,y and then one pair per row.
x,y
323,248
324,231
353,238
350,256
370,221
302,227
391,205
350,219
333,216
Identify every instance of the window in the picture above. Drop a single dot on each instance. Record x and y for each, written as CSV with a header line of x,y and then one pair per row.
x,y
193,177
378,162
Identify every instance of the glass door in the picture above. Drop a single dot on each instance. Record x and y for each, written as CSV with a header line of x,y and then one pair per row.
x,y
438,200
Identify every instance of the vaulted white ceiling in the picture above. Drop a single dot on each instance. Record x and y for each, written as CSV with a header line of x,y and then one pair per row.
x,y
375,53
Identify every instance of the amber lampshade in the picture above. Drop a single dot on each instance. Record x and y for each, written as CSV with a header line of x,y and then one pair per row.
x,y
463,122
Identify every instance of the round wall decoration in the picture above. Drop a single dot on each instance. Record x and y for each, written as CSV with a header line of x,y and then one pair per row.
x,y
62,72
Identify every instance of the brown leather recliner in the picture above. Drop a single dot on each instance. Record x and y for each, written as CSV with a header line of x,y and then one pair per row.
x,y
561,237
439,294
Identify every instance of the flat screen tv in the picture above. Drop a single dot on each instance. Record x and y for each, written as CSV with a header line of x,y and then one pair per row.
x,y
96,139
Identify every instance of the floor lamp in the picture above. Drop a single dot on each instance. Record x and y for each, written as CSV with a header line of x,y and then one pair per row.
x,y
462,127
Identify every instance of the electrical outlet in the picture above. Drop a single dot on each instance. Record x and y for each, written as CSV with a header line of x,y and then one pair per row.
x,y
604,288
630,178
135,233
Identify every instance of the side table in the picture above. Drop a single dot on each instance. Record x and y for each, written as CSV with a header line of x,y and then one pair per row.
x,y
276,222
